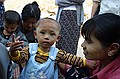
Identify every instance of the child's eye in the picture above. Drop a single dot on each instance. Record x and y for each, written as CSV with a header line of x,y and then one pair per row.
x,y
12,28
42,32
52,34
6,27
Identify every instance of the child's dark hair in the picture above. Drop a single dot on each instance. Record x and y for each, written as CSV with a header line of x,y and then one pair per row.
x,y
105,27
12,17
31,10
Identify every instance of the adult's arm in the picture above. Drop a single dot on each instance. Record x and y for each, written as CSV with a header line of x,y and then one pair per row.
x,y
94,7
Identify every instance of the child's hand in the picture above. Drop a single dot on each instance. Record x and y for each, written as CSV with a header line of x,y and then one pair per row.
x,y
9,44
16,45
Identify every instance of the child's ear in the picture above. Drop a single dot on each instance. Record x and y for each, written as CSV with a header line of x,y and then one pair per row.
x,y
59,36
35,35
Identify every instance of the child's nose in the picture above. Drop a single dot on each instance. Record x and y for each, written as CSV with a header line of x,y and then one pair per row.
x,y
46,36
30,25
9,30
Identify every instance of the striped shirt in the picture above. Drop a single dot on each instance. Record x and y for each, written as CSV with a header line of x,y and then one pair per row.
x,y
62,57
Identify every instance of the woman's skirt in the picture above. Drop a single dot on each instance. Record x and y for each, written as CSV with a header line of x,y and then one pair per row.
x,y
70,31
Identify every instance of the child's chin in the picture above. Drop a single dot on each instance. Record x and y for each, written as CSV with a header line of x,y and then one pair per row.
x,y
45,47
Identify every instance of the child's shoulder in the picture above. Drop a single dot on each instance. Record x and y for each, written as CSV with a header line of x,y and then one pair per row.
x,y
18,32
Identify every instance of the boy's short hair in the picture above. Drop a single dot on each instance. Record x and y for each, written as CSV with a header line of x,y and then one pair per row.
x,y
46,18
11,17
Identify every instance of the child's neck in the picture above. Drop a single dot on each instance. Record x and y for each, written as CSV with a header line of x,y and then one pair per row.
x,y
42,53
44,50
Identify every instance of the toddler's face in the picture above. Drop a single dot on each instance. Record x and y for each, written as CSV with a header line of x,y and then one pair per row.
x,y
47,33
10,28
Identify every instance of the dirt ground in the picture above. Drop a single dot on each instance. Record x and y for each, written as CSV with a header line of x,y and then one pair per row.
x,y
48,7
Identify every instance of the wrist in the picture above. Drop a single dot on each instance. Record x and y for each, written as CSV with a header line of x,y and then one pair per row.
x,y
15,55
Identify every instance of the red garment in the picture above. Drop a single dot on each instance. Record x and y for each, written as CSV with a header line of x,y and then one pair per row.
x,y
111,71
16,73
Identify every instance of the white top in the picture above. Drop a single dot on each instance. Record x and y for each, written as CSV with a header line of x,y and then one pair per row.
x,y
73,7
110,6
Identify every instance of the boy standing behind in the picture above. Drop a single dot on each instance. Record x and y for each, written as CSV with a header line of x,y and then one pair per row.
x,y
10,24
11,21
